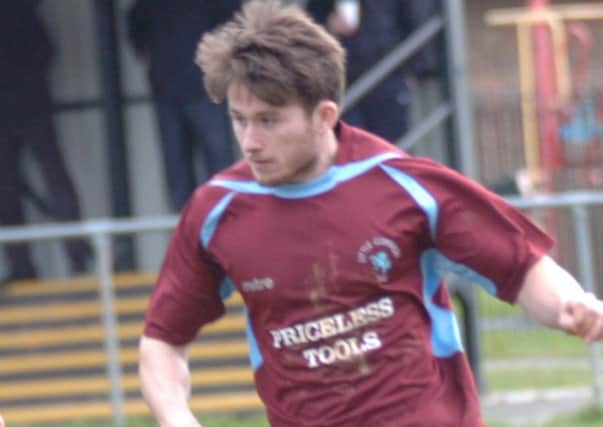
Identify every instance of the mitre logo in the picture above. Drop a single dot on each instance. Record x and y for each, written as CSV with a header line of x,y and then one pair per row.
x,y
255,284
380,253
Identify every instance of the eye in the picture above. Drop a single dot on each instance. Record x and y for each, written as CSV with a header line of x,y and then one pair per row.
x,y
237,120
267,121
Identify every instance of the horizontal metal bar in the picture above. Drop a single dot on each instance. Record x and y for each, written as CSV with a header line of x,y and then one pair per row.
x,y
87,228
434,119
562,200
114,227
97,103
393,60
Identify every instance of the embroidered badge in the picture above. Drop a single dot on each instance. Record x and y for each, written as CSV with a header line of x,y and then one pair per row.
x,y
380,253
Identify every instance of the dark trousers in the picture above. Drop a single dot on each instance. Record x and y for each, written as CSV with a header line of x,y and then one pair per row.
x,y
60,201
190,131
384,111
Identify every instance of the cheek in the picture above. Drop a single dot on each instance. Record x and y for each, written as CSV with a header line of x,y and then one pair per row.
x,y
301,152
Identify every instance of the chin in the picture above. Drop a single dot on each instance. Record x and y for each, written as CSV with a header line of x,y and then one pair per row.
x,y
265,179
270,180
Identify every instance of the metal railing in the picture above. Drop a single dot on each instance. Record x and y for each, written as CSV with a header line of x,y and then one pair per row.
x,y
101,233
578,203
450,22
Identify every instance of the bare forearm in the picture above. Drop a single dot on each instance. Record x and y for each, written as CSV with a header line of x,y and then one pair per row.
x,y
546,288
554,298
165,382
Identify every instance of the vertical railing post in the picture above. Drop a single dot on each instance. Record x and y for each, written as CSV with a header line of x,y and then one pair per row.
x,y
109,67
462,123
104,257
587,278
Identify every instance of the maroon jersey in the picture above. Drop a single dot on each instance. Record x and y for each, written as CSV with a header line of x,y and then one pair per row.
x,y
349,321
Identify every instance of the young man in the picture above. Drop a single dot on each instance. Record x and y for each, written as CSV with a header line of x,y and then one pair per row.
x,y
337,242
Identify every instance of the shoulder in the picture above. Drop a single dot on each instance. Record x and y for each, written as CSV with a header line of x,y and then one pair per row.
x,y
211,195
357,144
423,166
428,170
431,181
238,171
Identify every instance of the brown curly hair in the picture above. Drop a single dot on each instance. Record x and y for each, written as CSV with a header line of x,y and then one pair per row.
x,y
278,52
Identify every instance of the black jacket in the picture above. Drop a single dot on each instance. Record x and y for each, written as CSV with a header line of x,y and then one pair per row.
x,y
167,33
26,53
383,25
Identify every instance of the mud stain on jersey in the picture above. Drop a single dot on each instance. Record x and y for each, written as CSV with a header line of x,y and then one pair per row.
x,y
317,284
322,278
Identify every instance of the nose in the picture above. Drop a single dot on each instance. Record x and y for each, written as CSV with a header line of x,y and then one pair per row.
x,y
249,140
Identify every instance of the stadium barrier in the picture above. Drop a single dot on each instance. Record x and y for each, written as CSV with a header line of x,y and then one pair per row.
x,y
68,347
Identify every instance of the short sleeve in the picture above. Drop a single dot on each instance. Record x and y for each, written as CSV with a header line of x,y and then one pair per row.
x,y
186,295
478,229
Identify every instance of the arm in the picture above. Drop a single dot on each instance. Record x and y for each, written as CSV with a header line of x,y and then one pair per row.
x,y
139,23
426,62
554,298
165,382
2,421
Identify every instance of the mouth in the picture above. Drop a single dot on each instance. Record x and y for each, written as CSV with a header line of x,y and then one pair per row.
x,y
260,163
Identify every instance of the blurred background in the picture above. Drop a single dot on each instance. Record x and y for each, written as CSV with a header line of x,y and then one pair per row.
x,y
506,91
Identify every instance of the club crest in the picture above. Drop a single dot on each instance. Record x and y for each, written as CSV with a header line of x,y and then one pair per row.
x,y
380,253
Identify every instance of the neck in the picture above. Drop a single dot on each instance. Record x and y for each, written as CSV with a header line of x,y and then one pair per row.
x,y
328,152
320,164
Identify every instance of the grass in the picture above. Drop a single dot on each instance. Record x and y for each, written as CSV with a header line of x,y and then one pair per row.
x,y
530,343
208,421
500,380
587,417
555,359
231,421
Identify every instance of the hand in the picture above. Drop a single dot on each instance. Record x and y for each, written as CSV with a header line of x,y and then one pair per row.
x,y
532,182
583,317
338,25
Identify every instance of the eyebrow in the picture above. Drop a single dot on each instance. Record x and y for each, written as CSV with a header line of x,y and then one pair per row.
x,y
271,111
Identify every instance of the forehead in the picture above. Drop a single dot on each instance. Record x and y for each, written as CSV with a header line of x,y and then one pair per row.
x,y
241,96
243,100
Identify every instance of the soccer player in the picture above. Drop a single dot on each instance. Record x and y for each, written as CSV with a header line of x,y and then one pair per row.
x,y
337,242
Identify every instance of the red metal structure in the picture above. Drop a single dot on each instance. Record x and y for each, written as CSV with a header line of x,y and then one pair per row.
x,y
547,93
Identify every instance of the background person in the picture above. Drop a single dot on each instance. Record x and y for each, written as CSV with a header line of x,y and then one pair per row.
x,y
370,31
164,35
523,182
337,242
27,127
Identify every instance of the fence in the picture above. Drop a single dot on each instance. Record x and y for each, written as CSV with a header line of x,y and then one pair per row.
x,y
578,203
101,233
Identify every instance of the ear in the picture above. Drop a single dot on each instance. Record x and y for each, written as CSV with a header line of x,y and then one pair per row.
x,y
325,115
